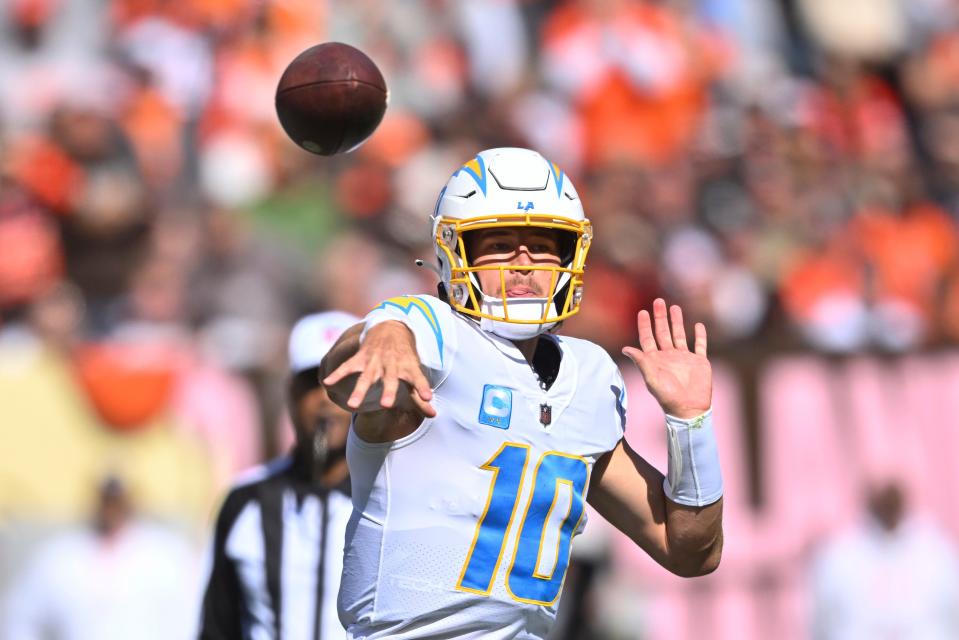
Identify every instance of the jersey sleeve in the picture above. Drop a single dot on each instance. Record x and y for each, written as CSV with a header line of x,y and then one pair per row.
x,y
432,323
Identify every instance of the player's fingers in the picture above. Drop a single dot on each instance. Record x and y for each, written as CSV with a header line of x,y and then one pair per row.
x,y
661,325
425,407
351,366
700,331
645,327
371,374
419,382
679,331
638,357
391,381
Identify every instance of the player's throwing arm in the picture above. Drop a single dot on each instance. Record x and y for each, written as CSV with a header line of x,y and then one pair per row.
x,y
381,373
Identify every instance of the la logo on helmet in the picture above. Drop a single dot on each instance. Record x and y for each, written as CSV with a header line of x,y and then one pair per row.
x,y
529,205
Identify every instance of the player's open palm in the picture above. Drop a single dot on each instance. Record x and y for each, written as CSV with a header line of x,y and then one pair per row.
x,y
680,379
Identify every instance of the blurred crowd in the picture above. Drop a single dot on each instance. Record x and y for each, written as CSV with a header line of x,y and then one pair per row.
x,y
787,170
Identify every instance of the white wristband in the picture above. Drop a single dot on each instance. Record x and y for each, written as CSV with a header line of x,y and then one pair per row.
x,y
694,477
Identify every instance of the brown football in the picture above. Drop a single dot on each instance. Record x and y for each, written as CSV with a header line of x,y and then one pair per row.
x,y
331,98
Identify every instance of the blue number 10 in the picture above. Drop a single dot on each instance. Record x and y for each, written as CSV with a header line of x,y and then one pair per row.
x,y
524,581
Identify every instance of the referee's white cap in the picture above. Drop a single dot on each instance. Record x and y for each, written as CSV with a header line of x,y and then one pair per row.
x,y
313,335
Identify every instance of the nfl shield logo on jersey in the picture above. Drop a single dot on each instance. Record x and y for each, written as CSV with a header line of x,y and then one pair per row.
x,y
545,414
497,406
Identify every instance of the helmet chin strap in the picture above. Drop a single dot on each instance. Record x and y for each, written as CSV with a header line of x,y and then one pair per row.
x,y
519,309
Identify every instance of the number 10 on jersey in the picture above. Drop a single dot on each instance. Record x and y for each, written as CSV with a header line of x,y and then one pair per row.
x,y
554,473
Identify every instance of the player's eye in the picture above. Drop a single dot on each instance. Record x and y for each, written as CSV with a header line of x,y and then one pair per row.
x,y
544,247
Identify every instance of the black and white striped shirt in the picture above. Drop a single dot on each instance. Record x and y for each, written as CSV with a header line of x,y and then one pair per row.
x,y
277,551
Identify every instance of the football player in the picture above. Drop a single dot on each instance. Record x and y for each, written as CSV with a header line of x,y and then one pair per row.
x,y
479,433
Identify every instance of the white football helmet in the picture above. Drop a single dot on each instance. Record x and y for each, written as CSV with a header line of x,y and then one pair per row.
x,y
510,187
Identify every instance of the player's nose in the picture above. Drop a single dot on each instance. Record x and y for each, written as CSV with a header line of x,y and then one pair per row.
x,y
522,258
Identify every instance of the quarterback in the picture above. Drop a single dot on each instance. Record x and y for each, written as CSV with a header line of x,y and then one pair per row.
x,y
479,433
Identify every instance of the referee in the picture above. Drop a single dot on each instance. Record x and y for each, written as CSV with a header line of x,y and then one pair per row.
x,y
278,544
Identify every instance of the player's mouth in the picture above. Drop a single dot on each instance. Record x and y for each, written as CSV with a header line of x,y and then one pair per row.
x,y
520,291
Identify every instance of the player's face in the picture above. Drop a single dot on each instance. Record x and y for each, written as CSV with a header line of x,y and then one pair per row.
x,y
516,248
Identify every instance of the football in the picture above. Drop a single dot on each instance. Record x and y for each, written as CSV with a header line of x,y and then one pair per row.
x,y
330,98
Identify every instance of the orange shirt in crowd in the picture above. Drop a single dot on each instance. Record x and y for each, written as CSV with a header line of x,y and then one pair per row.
x,y
623,116
909,254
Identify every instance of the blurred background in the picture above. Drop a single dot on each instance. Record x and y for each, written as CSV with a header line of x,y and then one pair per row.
x,y
786,170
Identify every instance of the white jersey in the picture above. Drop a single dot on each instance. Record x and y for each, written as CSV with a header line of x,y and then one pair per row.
x,y
463,528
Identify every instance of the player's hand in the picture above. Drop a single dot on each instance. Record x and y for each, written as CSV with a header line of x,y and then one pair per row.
x,y
387,359
681,380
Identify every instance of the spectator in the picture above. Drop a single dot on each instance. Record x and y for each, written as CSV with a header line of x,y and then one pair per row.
x,y
118,577
892,576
